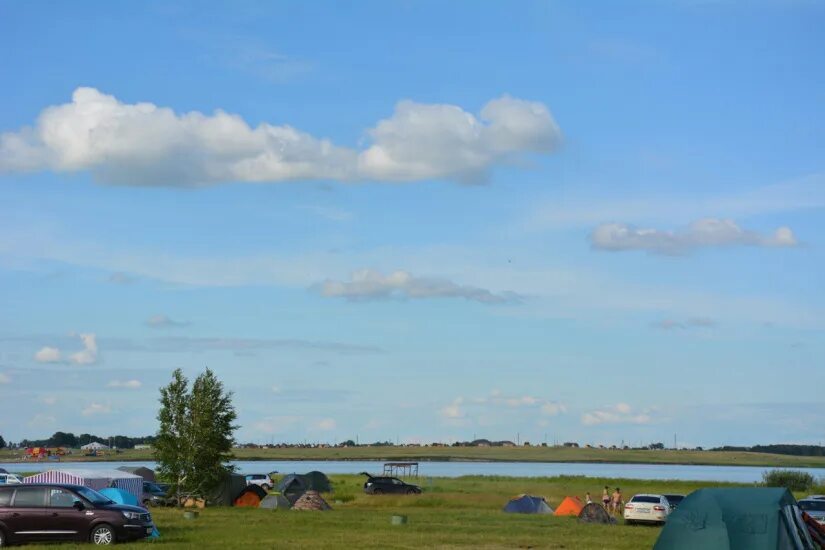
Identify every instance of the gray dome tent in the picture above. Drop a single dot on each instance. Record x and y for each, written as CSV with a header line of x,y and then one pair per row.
x,y
528,504
595,513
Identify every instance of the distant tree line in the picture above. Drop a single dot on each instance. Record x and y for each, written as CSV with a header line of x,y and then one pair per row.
x,y
781,449
72,441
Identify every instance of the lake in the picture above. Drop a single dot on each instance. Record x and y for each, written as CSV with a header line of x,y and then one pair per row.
x,y
740,474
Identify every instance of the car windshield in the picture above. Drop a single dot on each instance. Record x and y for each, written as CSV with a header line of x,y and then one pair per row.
x,y
674,499
93,496
644,498
812,505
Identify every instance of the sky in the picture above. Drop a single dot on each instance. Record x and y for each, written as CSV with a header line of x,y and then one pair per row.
x,y
422,221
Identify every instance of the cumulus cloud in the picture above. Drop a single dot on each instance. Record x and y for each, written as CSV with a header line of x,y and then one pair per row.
x,y
453,410
95,409
621,413
48,354
48,400
369,284
144,144
326,424
5,378
275,424
164,321
87,356
703,233
457,408
126,384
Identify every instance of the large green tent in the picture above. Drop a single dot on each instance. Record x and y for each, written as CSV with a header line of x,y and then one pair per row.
x,y
736,518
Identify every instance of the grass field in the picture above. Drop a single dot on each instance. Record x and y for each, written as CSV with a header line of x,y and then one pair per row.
x,y
452,513
525,454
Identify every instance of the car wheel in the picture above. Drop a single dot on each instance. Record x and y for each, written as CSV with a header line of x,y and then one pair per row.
x,y
411,491
2,539
103,534
147,503
628,522
377,491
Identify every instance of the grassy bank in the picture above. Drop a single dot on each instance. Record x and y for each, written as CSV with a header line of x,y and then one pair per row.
x,y
525,454
452,513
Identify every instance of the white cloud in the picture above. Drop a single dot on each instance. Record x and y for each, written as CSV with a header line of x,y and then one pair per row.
x,y
164,321
48,354
120,278
369,284
87,356
453,410
621,413
276,389
326,424
95,409
706,232
275,424
143,144
48,400
553,408
5,378
127,384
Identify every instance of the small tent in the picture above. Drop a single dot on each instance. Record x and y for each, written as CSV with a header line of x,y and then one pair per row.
x,y
318,481
119,496
275,502
225,492
570,506
724,519
311,500
142,471
527,504
595,513
250,497
93,479
292,486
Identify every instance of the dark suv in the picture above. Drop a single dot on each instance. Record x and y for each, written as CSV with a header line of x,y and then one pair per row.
x,y
388,485
55,512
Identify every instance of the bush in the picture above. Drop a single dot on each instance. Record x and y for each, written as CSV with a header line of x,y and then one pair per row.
x,y
790,479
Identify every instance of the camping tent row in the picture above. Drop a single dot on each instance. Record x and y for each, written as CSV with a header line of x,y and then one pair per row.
x,y
292,486
528,504
93,479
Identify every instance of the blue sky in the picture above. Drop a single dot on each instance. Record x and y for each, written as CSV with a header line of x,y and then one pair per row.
x,y
597,222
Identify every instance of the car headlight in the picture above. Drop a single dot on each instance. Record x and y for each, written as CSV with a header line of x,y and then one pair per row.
x,y
132,515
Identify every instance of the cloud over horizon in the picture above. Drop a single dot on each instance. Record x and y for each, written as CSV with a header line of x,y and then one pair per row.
x,y
143,144
703,233
87,356
621,413
370,284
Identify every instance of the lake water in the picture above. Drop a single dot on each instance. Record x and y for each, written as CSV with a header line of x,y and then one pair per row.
x,y
741,474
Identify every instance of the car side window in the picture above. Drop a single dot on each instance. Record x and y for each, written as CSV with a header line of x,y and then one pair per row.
x,y
29,497
61,498
5,496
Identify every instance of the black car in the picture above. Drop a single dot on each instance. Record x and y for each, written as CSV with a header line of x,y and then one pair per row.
x,y
674,500
59,512
389,485
154,494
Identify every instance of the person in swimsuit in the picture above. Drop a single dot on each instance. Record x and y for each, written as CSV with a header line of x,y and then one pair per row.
x,y
616,501
606,497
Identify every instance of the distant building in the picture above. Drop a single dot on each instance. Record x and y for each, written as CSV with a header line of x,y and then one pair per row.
x,y
94,446
142,447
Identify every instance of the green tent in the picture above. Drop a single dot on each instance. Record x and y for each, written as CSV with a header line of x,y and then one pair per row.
x,y
733,519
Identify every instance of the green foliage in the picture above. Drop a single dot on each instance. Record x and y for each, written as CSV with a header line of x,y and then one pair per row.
x,y
194,442
2,442
790,479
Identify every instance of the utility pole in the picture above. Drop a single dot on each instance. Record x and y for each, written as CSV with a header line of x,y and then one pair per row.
x,y
675,447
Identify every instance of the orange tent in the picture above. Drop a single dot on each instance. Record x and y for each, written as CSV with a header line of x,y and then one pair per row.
x,y
570,506
250,497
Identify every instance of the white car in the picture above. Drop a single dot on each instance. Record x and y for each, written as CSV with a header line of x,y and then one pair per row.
x,y
815,508
10,479
259,479
646,509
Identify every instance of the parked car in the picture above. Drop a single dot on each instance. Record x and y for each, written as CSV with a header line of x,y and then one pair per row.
x,y
154,494
815,508
674,500
9,479
646,509
389,485
263,480
816,497
60,512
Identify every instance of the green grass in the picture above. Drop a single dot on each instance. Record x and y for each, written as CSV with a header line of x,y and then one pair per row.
x,y
452,513
525,454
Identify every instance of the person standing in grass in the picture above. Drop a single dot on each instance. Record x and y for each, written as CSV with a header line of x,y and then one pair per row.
x,y
606,498
616,501
587,499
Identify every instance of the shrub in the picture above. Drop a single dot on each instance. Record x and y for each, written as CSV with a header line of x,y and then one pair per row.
x,y
790,479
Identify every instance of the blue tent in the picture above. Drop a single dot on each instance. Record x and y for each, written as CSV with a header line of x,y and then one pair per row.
x,y
120,496
526,504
